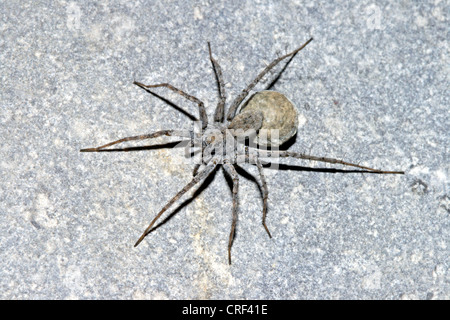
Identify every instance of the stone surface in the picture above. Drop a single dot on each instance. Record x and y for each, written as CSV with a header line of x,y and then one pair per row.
x,y
372,88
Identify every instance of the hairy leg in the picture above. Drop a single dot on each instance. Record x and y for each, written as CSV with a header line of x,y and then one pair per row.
x,y
265,191
289,154
234,175
201,175
201,106
196,167
219,114
173,133
241,97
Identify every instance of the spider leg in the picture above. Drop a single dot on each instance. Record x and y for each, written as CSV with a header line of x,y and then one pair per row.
x,y
289,154
265,191
275,80
234,175
170,103
219,114
241,97
201,175
173,133
201,106
196,167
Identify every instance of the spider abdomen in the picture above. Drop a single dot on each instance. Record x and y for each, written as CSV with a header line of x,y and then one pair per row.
x,y
279,120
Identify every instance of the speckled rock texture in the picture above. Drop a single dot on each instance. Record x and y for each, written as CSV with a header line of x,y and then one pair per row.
x,y
371,88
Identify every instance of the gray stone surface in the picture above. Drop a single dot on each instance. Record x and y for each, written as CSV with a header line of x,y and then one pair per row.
x,y
371,88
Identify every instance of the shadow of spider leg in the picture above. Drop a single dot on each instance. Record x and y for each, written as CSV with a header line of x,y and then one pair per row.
x,y
173,133
255,158
219,113
201,105
252,158
238,100
229,168
265,191
200,176
289,154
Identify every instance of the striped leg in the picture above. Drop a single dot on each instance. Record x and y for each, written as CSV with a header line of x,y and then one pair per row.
x,y
219,114
173,133
201,106
265,191
200,176
241,97
234,175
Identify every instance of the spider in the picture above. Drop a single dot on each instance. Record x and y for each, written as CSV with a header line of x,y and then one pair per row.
x,y
267,117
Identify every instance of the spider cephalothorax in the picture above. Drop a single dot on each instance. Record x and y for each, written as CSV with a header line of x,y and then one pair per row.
x,y
265,121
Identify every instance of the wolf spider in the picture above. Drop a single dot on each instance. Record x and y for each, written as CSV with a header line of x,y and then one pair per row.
x,y
215,140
